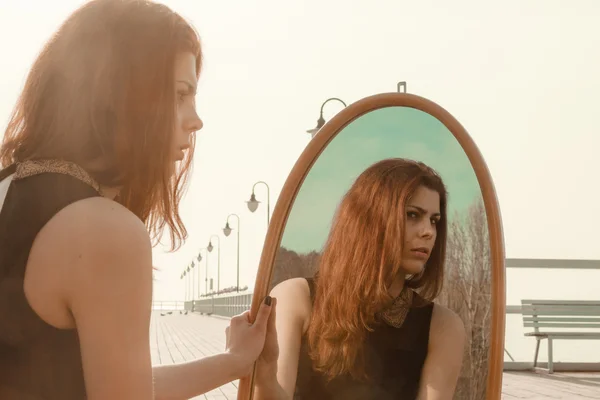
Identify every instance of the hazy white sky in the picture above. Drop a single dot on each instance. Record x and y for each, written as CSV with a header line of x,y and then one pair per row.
x,y
520,75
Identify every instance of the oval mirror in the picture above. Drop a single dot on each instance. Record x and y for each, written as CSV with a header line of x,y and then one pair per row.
x,y
385,253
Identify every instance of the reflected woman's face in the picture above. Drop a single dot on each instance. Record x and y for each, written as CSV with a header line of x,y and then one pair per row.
x,y
421,218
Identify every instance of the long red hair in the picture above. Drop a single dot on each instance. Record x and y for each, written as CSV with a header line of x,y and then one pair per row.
x,y
102,88
361,258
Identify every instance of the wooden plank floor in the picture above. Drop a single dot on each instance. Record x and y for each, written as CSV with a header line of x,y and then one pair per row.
x,y
538,386
177,338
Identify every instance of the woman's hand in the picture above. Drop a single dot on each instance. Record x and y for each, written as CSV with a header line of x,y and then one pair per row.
x,y
266,384
270,352
266,369
246,341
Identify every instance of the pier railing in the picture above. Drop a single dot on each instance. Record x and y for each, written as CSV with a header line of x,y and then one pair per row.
x,y
546,279
168,305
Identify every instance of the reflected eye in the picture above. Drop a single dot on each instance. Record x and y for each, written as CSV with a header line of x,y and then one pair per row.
x,y
181,96
412,214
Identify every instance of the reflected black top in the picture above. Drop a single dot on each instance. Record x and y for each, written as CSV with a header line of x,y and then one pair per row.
x,y
395,358
37,361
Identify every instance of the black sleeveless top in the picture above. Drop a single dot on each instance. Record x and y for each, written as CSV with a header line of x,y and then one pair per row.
x,y
37,361
394,356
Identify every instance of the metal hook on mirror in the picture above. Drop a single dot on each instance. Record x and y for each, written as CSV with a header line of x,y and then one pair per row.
x,y
402,87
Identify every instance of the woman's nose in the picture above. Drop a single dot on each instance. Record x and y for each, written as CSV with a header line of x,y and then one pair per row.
x,y
427,229
195,124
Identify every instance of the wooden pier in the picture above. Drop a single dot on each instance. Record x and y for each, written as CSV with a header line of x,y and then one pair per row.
x,y
178,338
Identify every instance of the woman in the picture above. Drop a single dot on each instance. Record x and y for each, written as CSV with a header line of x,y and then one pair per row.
x,y
94,158
366,327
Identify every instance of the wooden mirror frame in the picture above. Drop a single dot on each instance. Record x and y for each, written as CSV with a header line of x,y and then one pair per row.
x,y
302,168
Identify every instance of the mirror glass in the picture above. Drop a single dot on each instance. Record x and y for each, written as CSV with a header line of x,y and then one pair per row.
x,y
406,133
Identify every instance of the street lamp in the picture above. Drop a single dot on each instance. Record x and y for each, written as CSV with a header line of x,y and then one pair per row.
x,y
253,203
321,120
192,265
210,248
199,258
186,282
227,231
190,283
185,285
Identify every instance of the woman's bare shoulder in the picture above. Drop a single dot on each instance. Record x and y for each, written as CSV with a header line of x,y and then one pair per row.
x,y
296,289
94,236
105,213
293,296
94,223
446,326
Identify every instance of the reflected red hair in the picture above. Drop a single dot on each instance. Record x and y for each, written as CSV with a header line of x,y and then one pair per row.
x,y
362,256
102,88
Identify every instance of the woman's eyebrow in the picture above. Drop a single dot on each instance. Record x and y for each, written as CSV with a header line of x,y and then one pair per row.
x,y
192,88
423,211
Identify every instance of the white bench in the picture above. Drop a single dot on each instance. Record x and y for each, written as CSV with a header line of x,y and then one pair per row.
x,y
577,320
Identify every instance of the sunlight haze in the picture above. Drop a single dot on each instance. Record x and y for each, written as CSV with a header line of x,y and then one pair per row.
x,y
520,75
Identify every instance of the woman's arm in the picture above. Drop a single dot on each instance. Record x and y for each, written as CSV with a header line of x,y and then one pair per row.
x,y
108,291
244,344
108,288
186,380
444,356
277,380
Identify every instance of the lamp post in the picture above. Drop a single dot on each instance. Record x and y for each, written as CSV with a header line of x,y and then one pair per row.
x,y
194,273
227,231
184,285
190,282
402,87
321,120
210,248
199,258
253,203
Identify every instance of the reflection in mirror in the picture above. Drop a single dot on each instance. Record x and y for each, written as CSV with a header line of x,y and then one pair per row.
x,y
383,273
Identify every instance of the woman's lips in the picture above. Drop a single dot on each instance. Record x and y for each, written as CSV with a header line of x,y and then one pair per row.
x,y
420,253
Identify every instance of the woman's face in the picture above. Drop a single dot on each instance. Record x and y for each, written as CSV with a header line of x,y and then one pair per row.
x,y
187,121
421,218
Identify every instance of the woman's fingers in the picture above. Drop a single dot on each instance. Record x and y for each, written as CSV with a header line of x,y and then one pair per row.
x,y
273,315
262,318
